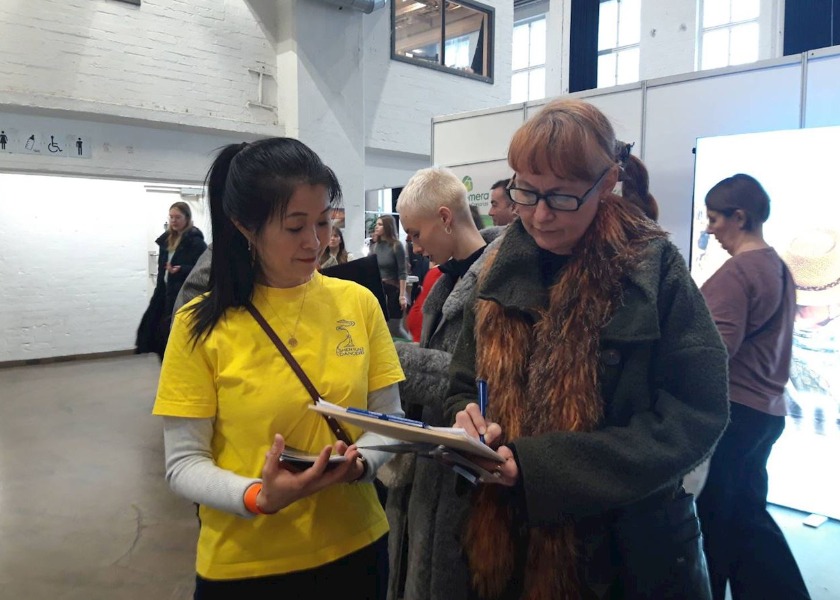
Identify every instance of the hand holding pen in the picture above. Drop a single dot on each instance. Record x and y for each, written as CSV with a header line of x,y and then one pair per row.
x,y
473,422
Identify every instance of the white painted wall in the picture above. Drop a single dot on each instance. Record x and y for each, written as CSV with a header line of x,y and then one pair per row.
x,y
74,263
172,61
401,99
143,150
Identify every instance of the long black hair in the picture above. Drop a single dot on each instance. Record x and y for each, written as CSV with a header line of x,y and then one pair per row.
x,y
250,184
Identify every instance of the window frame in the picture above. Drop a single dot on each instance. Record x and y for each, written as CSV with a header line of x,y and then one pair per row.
x,y
728,26
617,49
529,21
441,66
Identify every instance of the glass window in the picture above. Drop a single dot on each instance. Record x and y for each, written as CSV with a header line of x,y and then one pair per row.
x,y
746,10
629,22
730,33
608,25
619,33
715,49
519,87
536,83
451,36
715,12
627,69
743,44
606,70
521,46
528,77
537,43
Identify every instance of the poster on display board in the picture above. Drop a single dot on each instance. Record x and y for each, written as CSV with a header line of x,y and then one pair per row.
x,y
796,167
478,178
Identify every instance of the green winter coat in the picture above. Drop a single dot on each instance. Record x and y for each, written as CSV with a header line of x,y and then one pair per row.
x,y
663,382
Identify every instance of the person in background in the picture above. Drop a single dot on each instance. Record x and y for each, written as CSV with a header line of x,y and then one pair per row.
x,y
232,403
635,181
414,319
335,253
606,378
476,217
392,268
752,298
418,266
179,249
423,508
502,208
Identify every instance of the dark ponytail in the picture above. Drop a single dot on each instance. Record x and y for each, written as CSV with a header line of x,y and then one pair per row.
x,y
250,184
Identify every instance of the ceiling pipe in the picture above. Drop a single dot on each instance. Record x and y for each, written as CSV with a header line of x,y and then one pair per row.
x,y
366,6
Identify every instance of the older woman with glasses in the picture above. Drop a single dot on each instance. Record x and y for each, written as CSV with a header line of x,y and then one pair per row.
x,y
607,383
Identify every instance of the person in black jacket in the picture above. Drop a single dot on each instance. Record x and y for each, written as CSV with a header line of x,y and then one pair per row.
x,y
180,246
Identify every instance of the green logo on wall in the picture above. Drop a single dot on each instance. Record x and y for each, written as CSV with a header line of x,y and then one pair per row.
x,y
467,181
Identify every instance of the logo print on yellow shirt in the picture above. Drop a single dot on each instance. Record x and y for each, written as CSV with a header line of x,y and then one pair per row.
x,y
346,347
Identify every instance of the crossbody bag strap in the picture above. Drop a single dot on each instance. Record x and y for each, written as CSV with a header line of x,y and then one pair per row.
x,y
777,312
334,425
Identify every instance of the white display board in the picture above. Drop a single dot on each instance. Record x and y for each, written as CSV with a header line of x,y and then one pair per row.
x,y
822,98
678,113
804,227
475,139
478,178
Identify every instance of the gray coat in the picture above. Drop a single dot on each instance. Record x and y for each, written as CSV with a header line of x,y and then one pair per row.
x,y
423,508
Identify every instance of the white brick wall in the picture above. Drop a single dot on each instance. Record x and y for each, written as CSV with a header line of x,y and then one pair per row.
x,y
167,60
401,99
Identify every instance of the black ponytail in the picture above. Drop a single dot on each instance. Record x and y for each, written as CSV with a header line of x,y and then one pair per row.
x,y
250,184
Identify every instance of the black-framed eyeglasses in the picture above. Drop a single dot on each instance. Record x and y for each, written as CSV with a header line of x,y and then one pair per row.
x,y
566,202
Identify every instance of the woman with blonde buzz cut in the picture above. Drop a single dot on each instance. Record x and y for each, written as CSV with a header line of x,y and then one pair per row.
x,y
423,509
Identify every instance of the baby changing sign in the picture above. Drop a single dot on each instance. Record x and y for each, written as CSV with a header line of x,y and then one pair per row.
x,y
52,144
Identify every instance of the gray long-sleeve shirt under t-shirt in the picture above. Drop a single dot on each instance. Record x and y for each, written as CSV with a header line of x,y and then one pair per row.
x,y
391,260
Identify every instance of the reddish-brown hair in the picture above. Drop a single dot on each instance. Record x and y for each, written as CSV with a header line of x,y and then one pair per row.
x,y
568,138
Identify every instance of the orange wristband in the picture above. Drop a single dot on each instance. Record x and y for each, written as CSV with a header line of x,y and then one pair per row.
x,y
250,498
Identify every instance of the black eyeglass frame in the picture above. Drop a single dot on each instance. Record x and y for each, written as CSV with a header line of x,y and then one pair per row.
x,y
549,198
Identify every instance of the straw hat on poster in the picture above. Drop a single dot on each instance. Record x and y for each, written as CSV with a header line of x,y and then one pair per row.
x,y
813,257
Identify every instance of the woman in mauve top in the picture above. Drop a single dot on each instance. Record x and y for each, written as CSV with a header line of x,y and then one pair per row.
x,y
753,302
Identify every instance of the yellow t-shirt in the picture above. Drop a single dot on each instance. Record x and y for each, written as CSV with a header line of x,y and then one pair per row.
x,y
238,376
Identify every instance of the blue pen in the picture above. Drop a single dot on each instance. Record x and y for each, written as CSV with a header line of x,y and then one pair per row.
x,y
482,400
384,417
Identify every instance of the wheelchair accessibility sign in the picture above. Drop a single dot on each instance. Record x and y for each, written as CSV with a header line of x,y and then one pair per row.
x,y
15,141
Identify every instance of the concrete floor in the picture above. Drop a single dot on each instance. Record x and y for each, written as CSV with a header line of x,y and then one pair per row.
x,y
85,513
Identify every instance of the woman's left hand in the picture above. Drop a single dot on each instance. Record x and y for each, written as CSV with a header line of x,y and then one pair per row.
x,y
508,471
403,302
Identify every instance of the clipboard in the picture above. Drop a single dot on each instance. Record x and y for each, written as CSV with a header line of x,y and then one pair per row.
x,y
407,430
462,465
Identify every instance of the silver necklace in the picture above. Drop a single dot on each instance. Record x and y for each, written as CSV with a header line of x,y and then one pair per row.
x,y
292,341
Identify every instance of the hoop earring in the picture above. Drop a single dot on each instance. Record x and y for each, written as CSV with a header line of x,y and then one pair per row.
x,y
448,230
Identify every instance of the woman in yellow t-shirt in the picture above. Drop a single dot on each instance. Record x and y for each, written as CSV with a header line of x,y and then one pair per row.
x,y
231,403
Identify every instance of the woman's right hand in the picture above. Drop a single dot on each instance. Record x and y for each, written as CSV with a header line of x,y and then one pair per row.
x,y
282,487
471,421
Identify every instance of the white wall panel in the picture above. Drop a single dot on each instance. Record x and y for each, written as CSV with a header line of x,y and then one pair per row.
x,y
822,100
476,138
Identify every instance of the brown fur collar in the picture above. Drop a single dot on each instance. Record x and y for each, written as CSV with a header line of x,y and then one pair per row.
x,y
544,377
